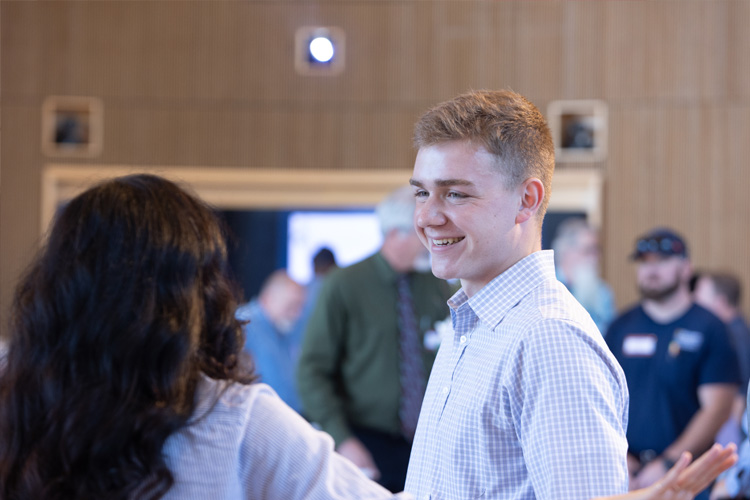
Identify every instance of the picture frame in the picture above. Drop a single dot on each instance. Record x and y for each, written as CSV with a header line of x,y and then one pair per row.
x,y
579,129
72,126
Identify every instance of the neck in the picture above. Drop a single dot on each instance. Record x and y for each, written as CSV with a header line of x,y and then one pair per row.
x,y
394,259
669,309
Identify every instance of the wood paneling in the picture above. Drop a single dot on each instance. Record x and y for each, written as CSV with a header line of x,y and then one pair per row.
x,y
213,84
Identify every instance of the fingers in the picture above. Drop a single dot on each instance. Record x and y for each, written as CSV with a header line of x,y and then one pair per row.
x,y
668,486
704,470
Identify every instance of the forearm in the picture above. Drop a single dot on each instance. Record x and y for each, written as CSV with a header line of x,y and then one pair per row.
x,y
700,432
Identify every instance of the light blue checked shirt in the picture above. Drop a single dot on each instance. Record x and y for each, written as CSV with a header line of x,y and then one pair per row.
x,y
525,401
245,443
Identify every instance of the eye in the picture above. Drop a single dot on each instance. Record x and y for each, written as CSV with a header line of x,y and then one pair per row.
x,y
455,195
421,193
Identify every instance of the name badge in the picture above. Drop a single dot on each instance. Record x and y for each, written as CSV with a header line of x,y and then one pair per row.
x,y
688,340
639,345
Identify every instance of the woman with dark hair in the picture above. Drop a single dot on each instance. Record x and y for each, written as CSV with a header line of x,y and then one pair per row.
x,y
123,380
123,377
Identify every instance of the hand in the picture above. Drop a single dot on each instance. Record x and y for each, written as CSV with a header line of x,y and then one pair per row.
x,y
683,482
650,473
353,449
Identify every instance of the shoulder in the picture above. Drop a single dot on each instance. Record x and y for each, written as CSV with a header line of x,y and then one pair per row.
x,y
351,275
550,318
571,351
634,314
698,315
227,400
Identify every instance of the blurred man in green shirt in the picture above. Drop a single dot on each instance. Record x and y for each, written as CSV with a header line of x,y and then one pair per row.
x,y
352,369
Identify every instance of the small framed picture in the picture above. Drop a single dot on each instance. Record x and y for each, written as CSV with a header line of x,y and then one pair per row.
x,y
72,126
579,130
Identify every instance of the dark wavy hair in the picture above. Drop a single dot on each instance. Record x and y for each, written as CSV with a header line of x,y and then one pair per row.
x,y
111,327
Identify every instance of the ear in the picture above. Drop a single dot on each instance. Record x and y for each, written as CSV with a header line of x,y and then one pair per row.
x,y
532,194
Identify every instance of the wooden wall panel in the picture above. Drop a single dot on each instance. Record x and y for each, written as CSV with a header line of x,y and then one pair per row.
x,y
19,195
539,63
738,70
583,53
213,84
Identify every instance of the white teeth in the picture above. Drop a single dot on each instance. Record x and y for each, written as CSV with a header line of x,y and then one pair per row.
x,y
447,241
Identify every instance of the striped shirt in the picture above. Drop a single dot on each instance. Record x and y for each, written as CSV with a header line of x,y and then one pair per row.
x,y
251,445
525,401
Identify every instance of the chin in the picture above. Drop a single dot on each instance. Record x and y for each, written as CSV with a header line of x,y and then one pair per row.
x,y
443,274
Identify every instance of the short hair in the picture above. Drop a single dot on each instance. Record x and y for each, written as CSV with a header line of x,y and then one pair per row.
x,y
323,260
567,235
506,124
396,211
122,312
726,285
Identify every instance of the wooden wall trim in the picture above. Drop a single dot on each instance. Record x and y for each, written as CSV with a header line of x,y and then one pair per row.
x,y
577,190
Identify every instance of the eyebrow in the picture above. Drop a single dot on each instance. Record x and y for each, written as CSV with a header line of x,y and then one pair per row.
x,y
444,182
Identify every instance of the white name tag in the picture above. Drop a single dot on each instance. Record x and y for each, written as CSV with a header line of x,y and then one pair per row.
x,y
642,345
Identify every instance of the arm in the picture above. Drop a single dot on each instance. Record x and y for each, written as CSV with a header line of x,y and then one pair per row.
x,y
683,482
282,456
716,403
572,408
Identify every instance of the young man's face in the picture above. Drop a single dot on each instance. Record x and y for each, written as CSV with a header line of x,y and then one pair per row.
x,y
659,277
465,215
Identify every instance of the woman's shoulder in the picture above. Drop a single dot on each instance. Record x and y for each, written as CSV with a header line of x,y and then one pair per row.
x,y
228,398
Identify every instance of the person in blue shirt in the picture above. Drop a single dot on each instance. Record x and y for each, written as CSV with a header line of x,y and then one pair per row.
x,y
274,333
721,293
577,254
678,360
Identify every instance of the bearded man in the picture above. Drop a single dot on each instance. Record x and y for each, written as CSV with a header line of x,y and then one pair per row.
x,y
678,360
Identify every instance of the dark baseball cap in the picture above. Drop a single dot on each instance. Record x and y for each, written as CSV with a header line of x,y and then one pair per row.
x,y
662,241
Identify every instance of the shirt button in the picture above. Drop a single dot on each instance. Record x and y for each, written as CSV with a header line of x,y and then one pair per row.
x,y
445,390
426,497
463,339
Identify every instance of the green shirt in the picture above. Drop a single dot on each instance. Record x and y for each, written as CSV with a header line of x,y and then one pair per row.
x,y
348,370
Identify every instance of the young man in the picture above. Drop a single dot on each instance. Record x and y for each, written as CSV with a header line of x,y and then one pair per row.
x,y
525,401
677,357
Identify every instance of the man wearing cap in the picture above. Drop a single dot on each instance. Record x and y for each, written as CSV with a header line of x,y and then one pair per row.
x,y
678,360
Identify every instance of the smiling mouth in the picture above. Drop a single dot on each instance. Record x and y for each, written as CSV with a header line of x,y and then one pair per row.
x,y
446,241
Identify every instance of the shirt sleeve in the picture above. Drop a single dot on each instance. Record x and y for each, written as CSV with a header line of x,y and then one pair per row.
x,y
571,414
318,375
281,456
720,366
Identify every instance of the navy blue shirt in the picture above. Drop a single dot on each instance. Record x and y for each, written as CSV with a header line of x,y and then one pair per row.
x,y
664,364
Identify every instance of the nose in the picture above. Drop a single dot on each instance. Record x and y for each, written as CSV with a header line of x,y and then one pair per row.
x,y
428,213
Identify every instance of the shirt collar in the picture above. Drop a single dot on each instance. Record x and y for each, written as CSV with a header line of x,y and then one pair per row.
x,y
493,302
